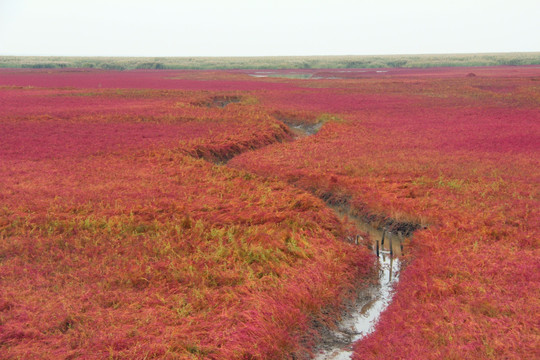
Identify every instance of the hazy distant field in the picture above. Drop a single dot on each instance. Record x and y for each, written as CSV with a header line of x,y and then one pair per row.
x,y
179,214
285,62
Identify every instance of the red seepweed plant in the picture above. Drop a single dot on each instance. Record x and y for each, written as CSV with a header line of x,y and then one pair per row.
x,y
118,239
458,154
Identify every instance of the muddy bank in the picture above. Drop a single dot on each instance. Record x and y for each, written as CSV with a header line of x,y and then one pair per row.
x,y
360,318
386,238
221,153
219,101
303,130
360,215
299,126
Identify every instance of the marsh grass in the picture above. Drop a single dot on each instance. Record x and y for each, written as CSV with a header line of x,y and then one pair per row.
x,y
273,62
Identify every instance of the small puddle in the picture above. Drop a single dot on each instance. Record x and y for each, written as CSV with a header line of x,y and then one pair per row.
x,y
372,301
299,128
302,130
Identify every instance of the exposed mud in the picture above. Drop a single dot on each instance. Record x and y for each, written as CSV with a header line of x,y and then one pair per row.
x,y
219,101
220,154
360,318
299,127
341,205
302,130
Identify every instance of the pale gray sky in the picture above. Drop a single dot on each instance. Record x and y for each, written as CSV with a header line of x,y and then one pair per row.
x,y
266,27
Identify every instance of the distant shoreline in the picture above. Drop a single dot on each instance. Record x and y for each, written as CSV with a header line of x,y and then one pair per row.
x,y
272,62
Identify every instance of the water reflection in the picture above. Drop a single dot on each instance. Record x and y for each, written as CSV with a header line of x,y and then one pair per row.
x,y
372,301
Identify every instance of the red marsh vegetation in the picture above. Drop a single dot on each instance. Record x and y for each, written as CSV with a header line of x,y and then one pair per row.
x,y
117,240
121,235
458,154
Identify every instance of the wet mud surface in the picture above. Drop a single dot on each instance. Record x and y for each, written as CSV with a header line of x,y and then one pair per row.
x,y
360,318
302,130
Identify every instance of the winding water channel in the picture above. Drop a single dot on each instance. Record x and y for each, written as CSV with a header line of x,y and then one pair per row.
x,y
371,302
362,318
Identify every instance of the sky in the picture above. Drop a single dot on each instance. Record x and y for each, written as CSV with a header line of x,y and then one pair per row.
x,y
266,27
